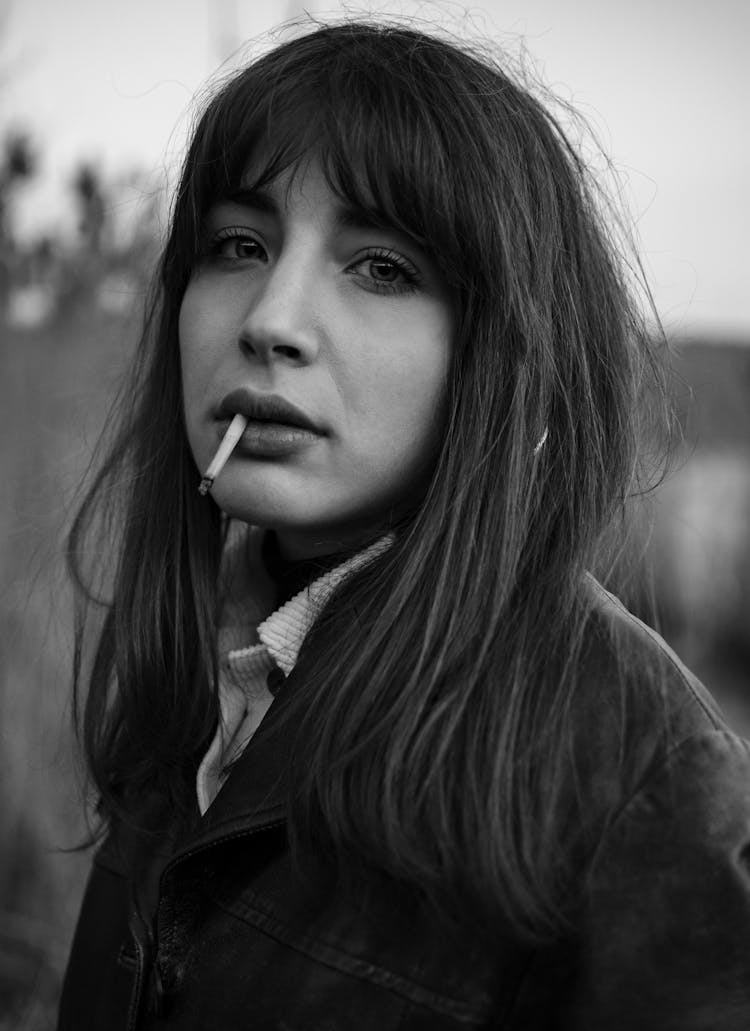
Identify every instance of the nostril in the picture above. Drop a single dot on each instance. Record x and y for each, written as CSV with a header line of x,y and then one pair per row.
x,y
258,348
246,347
286,350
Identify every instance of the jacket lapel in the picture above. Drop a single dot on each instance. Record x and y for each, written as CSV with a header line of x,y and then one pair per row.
x,y
254,795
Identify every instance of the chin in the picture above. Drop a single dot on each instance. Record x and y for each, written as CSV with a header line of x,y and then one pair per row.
x,y
253,512
275,510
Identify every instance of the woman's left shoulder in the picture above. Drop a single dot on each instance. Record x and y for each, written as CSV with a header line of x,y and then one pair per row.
x,y
639,712
621,648
665,922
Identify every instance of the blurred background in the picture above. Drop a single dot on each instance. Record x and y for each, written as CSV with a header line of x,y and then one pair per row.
x,y
96,100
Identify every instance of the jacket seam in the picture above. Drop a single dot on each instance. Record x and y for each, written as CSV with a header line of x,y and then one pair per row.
x,y
137,989
345,963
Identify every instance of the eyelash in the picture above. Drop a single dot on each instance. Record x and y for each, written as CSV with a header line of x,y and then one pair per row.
x,y
409,283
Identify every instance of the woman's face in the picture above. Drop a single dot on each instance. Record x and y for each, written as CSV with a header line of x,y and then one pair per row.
x,y
296,299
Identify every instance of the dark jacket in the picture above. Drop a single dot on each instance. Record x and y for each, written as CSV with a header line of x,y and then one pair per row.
x,y
219,932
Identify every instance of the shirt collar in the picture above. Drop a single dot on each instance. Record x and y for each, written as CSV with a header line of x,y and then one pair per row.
x,y
248,600
285,629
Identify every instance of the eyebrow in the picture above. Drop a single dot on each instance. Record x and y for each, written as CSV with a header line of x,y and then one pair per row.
x,y
346,216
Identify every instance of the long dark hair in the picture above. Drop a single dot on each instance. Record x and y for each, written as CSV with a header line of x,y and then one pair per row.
x,y
438,685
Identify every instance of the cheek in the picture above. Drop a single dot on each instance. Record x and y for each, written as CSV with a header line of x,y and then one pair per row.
x,y
416,385
402,399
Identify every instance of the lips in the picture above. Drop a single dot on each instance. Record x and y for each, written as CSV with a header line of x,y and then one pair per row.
x,y
264,408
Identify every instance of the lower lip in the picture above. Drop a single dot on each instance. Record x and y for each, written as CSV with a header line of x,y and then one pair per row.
x,y
272,439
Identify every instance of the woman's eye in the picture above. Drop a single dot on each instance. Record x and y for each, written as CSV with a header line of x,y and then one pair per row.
x,y
233,245
387,273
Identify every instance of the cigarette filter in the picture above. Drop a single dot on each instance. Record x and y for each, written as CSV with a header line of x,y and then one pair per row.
x,y
234,431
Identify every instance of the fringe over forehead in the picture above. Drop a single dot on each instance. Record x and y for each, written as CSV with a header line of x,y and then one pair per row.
x,y
416,133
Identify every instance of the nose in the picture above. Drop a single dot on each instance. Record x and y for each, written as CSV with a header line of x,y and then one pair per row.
x,y
281,321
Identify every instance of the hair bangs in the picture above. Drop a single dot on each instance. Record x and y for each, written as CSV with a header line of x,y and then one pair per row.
x,y
250,127
376,142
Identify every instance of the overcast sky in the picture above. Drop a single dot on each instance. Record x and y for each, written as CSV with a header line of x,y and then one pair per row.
x,y
665,83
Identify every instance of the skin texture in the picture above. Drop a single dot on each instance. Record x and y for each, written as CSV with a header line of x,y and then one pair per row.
x,y
349,323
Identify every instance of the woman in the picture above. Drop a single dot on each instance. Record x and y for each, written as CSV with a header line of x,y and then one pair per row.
x,y
370,743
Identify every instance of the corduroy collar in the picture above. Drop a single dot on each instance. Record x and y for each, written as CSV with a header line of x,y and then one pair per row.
x,y
284,630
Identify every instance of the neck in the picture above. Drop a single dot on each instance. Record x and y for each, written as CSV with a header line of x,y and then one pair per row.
x,y
299,547
291,575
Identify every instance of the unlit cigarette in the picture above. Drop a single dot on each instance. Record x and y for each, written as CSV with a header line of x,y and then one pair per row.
x,y
234,431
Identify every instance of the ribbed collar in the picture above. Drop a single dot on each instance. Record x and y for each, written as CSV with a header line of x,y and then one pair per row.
x,y
284,630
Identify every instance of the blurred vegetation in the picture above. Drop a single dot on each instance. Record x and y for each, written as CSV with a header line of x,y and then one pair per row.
x,y
68,320
67,329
